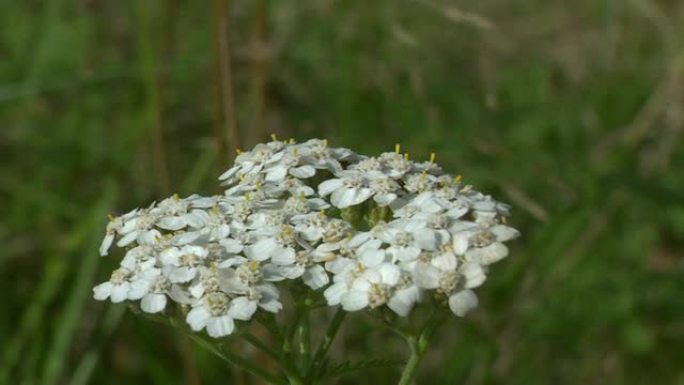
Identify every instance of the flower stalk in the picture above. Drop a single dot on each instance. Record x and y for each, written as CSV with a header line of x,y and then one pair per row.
x,y
418,345
322,351
304,338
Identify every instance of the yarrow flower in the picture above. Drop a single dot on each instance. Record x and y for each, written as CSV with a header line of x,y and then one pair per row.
x,y
362,232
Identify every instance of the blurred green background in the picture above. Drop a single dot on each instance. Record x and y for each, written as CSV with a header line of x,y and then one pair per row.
x,y
572,111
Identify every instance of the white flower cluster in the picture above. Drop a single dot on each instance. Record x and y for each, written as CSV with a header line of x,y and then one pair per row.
x,y
374,231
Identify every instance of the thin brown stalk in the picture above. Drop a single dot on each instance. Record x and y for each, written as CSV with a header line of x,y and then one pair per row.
x,y
258,55
219,139
227,135
155,96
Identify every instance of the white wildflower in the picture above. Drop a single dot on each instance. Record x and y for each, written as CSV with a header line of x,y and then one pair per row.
x,y
180,264
381,231
349,189
211,312
116,289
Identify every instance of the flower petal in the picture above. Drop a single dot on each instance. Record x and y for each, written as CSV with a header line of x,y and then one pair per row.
x,y
182,274
242,308
445,261
372,257
220,326
171,223
120,292
462,302
426,276
283,256
403,300
488,254
330,185
504,233
390,273
153,303
474,275
315,277
355,300
303,172
128,239
276,174
460,243
334,293
343,197
261,250
197,318
271,305
102,291
106,244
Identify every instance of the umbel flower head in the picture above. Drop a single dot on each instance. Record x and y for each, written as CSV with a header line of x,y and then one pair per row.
x,y
366,232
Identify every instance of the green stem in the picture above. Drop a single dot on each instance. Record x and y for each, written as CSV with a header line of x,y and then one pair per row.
x,y
262,346
237,361
304,337
214,347
290,371
291,332
269,322
323,349
418,346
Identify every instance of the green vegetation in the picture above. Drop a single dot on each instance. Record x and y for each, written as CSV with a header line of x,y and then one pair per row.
x,y
573,111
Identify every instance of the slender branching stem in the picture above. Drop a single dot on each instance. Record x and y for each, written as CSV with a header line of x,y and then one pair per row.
x,y
325,345
418,344
263,347
214,347
236,360
283,361
291,332
304,338
270,323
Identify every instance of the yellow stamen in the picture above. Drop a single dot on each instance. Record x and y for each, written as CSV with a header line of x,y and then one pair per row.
x,y
406,156
432,157
213,266
458,178
215,209
397,148
291,140
241,176
274,137
325,143
111,217
176,197
238,151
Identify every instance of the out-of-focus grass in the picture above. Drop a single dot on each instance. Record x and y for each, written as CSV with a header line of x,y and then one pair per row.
x,y
571,111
